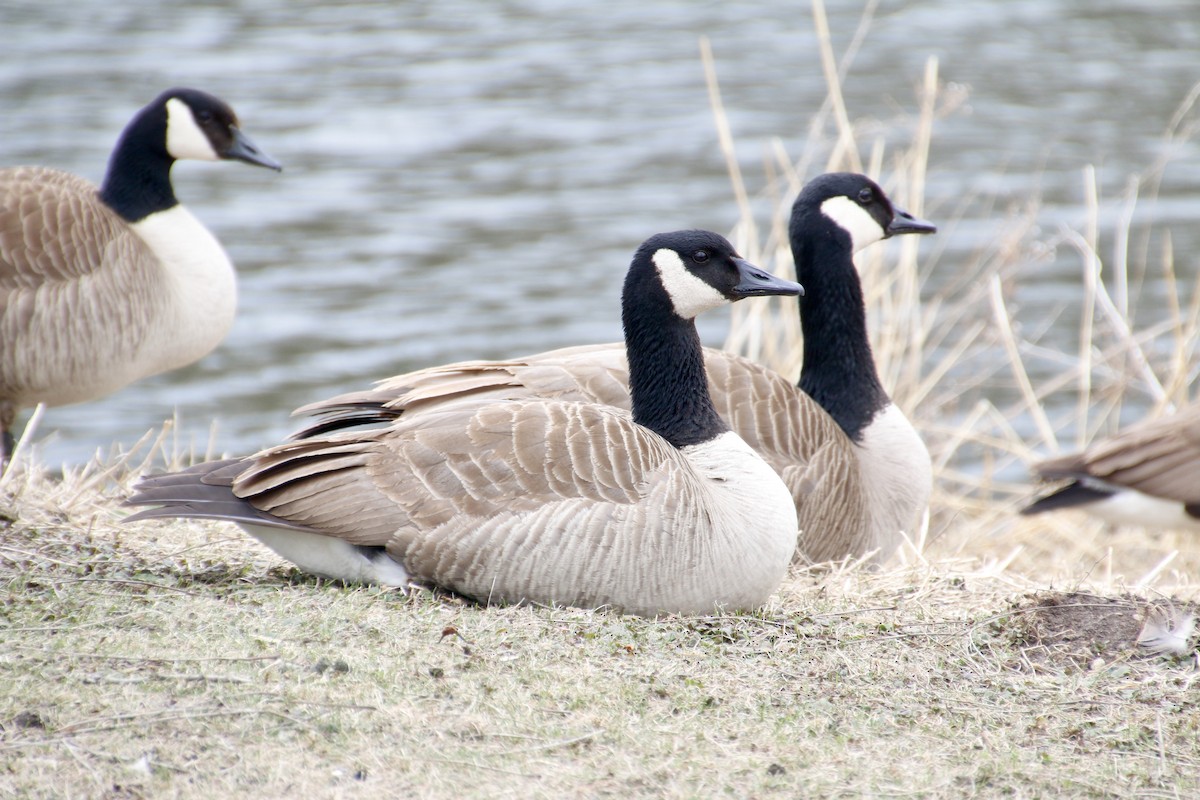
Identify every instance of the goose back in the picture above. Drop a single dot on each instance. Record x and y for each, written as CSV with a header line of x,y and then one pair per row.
x,y
803,444
522,501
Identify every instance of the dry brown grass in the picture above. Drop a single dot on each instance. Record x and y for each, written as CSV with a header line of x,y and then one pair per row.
x,y
995,657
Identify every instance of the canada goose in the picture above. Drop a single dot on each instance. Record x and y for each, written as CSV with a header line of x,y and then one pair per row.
x,y
858,472
539,500
1145,475
101,287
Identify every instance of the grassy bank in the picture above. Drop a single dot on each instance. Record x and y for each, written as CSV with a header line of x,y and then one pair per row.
x,y
184,661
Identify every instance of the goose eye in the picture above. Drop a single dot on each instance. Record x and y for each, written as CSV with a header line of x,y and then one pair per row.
x,y
205,116
700,256
865,196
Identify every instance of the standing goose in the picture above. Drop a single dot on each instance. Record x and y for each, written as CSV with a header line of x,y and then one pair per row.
x,y
1146,475
858,472
101,287
539,500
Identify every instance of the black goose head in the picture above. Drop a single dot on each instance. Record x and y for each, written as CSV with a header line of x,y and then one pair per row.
x,y
201,126
674,277
688,272
855,205
178,124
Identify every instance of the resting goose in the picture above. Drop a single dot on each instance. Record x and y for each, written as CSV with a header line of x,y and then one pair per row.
x,y
1146,475
858,471
101,287
539,500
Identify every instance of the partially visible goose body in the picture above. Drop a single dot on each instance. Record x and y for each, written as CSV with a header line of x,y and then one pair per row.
x,y
539,500
859,474
102,286
1146,475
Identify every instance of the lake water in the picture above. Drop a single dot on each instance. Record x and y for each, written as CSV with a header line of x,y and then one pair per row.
x,y
468,178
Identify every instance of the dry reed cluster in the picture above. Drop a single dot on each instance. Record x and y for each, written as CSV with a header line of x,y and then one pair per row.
x,y
976,377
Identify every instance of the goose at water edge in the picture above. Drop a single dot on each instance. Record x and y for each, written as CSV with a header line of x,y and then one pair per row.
x,y
539,500
100,287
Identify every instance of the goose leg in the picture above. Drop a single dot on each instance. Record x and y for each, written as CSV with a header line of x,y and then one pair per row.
x,y
8,415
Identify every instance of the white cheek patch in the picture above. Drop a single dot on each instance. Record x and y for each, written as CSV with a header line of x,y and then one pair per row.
x,y
689,295
864,230
184,137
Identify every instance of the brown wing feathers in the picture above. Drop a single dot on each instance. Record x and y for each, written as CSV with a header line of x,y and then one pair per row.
x,y
786,427
1160,458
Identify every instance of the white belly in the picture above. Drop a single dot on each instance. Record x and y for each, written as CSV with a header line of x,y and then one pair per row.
x,y
1129,507
330,557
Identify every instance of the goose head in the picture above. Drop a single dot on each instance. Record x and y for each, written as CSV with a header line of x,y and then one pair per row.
x,y
854,205
178,124
203,127
689,272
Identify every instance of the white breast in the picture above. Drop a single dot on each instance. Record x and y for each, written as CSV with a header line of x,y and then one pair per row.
x,y
753,518
897,477
204,297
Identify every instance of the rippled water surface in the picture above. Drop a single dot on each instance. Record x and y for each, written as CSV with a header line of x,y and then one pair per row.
x,y
469,178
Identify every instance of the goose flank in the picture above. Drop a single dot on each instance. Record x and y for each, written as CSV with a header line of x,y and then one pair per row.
x,y
1145,475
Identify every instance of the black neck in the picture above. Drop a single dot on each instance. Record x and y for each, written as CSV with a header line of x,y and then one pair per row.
x,y
839,369
667,381
138,182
